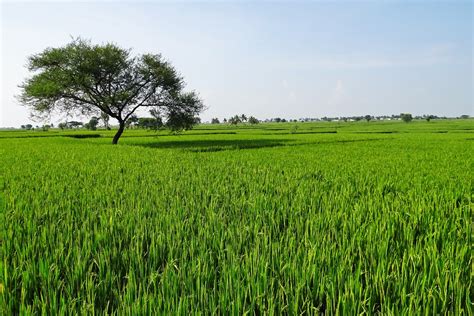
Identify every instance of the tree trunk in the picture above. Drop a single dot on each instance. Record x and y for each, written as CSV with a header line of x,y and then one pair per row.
x,y
119,133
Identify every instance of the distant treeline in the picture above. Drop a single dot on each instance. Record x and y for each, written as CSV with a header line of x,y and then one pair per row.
x,y
236,119
156,123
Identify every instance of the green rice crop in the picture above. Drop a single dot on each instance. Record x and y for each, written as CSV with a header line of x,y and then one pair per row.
x,y
371,218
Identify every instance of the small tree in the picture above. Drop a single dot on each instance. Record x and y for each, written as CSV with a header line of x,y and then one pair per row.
x,y
234,120
92,79
253,120
368,118
428,118
150,123
215,121
75,124
92,124
406,117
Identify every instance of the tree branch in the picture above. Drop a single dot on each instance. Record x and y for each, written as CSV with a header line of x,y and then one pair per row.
x,y
140,104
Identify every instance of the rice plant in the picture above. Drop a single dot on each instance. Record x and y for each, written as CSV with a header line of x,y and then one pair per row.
x,y
374,218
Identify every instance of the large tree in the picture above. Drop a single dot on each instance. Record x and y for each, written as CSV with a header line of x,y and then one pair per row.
x,y
86,79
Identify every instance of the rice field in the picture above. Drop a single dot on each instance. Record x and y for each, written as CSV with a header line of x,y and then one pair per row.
x,y
290,218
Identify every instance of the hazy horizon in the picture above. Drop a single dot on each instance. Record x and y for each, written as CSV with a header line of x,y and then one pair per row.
x,y
291,60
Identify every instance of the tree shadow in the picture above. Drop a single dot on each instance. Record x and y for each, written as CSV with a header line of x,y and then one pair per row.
x,y
213,145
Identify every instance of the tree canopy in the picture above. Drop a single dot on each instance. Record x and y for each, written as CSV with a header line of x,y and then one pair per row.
x,y
86,79
406,117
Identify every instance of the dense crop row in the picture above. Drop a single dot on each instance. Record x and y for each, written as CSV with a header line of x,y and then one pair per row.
x,y
232,223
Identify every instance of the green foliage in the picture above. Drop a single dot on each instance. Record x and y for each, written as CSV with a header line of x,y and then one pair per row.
x,y
375,219
234,120
74,124
253,120
92,124
150,123
132,121
105,120
237,119
81,78
406,117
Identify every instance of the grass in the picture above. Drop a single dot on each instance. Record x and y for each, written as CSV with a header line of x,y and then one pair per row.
x,y
376,218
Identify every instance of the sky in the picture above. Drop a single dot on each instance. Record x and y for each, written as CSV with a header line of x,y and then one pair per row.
x,y
269,59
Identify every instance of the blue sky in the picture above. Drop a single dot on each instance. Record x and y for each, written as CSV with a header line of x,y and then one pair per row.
x,y
269,59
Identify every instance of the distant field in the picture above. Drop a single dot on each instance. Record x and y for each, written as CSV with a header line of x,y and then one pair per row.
x,y
274,218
